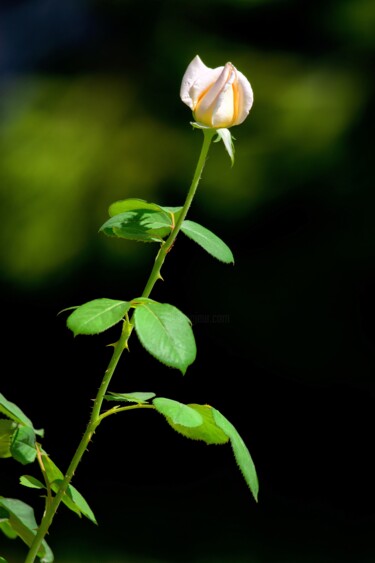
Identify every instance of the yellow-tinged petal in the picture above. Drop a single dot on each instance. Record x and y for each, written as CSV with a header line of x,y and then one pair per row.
x,y
244,98
219,97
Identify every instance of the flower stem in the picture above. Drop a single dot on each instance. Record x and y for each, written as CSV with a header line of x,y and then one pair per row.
x,y
96,416
165,248
92,425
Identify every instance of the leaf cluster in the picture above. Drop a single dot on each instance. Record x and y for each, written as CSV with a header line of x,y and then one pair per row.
x,y
197,422
136,219
163,330
18,440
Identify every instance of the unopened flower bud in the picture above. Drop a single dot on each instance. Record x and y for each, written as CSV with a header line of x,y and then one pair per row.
x,y
219,97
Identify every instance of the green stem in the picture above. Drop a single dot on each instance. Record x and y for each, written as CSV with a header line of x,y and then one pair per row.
x,y
119,347
165,248
91,427
110,412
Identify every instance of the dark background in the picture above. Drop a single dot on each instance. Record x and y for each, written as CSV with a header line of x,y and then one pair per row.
x,y
90,113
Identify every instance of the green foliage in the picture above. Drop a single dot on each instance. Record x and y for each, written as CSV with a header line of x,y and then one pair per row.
x,y
20,518
7,428
211,427
5,526
72,498
241,453
31,482
141,225
207,432
176,211
97,316
17,435
178,413
207,240
226,136
165,332
136,219
139,397
77,502
223,134
131,204
14,413
23,447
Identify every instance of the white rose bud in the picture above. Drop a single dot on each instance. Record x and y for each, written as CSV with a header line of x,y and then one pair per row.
x,y
219,97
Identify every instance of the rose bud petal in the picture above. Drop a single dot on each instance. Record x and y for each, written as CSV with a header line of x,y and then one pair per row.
x,y
219,97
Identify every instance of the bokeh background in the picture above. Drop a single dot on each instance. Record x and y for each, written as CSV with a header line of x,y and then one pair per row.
x,y
90,113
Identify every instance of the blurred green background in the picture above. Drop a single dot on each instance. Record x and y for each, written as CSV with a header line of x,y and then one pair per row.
x,y
90,113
